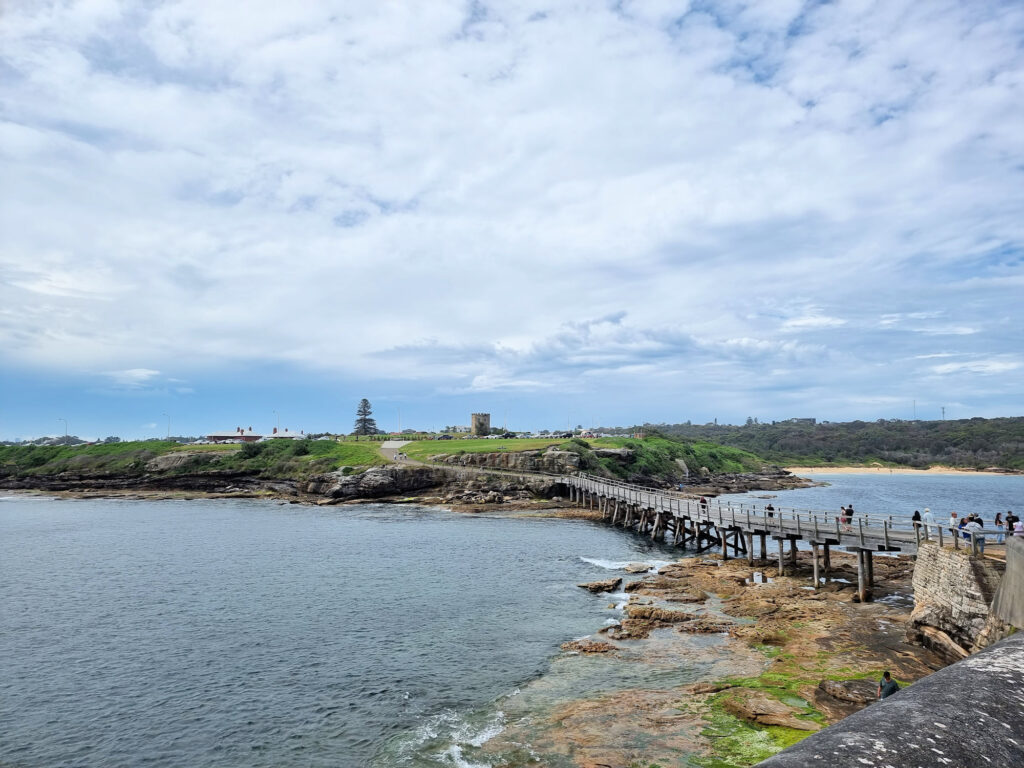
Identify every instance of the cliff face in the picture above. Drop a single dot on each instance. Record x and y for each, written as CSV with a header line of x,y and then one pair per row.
x,y
553,461
953,594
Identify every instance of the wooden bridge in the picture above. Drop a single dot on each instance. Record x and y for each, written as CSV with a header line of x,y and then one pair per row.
x,y
668,516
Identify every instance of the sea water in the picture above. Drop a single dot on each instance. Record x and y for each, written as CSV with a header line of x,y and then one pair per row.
x,y
251,633
254,633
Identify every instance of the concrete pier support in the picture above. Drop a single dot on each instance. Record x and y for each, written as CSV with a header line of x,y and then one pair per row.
x,y
782,561
764,546
827,563
750,548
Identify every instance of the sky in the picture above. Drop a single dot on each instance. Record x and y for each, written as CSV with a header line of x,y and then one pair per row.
x,y
585,212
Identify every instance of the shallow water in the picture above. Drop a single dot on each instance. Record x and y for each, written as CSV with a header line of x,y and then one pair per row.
x,y
247,633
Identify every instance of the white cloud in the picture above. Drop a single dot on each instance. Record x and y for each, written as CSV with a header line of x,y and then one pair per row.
x,y
990,366
313,184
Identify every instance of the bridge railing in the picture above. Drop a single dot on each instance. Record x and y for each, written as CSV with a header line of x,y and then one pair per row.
x,y
785,520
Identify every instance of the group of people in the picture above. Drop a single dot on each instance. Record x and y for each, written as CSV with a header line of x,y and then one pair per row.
x,y
973,523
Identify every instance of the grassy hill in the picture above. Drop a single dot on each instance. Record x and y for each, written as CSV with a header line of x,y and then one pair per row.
x,y
286,459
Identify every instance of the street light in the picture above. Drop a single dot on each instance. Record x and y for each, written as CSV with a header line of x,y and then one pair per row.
x,y
168,424
65,430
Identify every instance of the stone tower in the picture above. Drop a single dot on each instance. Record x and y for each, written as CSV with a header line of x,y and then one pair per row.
x,y
481,424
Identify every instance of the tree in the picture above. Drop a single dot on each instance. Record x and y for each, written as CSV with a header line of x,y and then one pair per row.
x,y
364,424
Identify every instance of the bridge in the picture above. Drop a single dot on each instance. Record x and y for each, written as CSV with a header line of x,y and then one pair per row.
x,y
668,516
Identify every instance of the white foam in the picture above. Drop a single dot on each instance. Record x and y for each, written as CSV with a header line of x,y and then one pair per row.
x,y
454,756
611,565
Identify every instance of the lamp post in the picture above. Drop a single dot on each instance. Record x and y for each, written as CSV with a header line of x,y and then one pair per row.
x,y
168,424
65,430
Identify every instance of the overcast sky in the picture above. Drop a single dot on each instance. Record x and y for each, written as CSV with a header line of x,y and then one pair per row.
x,y
586,212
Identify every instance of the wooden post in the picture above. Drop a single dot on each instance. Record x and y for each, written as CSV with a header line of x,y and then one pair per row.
x,y
869,561
827,562
782,571
814,546
750,548
764,546
792,551
724,542
862,591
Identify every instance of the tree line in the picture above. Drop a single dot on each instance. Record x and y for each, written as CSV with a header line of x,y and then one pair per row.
x,y
969,443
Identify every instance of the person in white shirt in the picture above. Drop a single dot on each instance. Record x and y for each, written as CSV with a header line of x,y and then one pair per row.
x,y
972,528
928,518
953,523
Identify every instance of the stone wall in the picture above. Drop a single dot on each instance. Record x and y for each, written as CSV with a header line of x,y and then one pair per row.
x,y
953,593
1009,602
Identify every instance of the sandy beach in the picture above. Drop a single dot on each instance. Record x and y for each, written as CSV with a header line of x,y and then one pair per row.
x,y
877,470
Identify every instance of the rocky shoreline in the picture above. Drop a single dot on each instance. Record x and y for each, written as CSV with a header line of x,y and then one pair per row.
x,y
787,661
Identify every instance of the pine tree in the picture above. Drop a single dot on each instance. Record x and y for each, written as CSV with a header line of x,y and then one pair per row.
x,y
364,424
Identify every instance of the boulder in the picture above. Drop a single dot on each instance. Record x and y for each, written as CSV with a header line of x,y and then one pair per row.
x,y
607,585
637,568
759,707
587,645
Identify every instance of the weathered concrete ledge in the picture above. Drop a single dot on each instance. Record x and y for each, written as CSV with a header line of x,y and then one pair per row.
x,y
966,715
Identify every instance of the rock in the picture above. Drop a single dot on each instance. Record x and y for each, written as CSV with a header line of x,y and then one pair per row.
x,y
854,691
654,613
587,645
761,708
698,688
637,568
622,454
608,585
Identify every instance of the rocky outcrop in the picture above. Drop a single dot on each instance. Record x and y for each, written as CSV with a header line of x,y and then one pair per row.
x,y
377,482
551,460
953,594
758,707
587,645
601,586
967,714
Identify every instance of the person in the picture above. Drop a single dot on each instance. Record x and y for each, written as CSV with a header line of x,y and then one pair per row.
x,y
963,524
1010,520
929,520
916,518
886,686
769,509
703,504
973,532
999,525
1018,528
952,523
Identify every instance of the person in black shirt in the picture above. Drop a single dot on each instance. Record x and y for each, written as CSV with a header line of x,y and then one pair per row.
x,y
886,686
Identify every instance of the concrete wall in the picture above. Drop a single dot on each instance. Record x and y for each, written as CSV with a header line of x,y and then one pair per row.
x,y
1009,602
953,594
966,715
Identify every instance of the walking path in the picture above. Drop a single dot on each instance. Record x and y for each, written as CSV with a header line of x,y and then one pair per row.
x,y
391,449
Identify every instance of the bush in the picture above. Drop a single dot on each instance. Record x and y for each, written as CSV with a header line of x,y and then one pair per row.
x,y
251,450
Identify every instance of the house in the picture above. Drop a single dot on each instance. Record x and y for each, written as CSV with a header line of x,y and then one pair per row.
x,y
286,435
239,435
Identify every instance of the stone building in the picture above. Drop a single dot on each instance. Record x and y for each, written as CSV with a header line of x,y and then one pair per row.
x,y
481,424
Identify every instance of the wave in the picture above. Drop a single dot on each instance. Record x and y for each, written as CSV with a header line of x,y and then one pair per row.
x,y
620,565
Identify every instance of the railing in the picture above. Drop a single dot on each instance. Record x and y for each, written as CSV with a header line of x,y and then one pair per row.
x,y
865,530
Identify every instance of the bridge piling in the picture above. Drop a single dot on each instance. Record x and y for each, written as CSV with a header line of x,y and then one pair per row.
x,y
814,547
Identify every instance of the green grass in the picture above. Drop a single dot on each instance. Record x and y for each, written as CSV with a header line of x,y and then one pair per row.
x,y
737,743
286,459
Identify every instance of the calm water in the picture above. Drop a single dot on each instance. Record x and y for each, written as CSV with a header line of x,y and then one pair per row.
x,y
243,633
900,495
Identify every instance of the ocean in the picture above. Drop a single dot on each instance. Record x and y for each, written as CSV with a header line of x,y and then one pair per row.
x,y
254,633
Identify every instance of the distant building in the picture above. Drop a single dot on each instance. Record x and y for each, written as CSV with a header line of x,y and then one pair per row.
x,y
481,423
240,434
461,430
801,421
286,435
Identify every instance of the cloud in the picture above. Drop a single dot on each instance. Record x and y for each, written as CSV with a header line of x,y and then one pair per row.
x,y
988,367
715,197
133,378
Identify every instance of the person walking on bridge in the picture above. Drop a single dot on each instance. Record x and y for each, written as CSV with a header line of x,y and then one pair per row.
x,y
953,523
999,526
929,520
